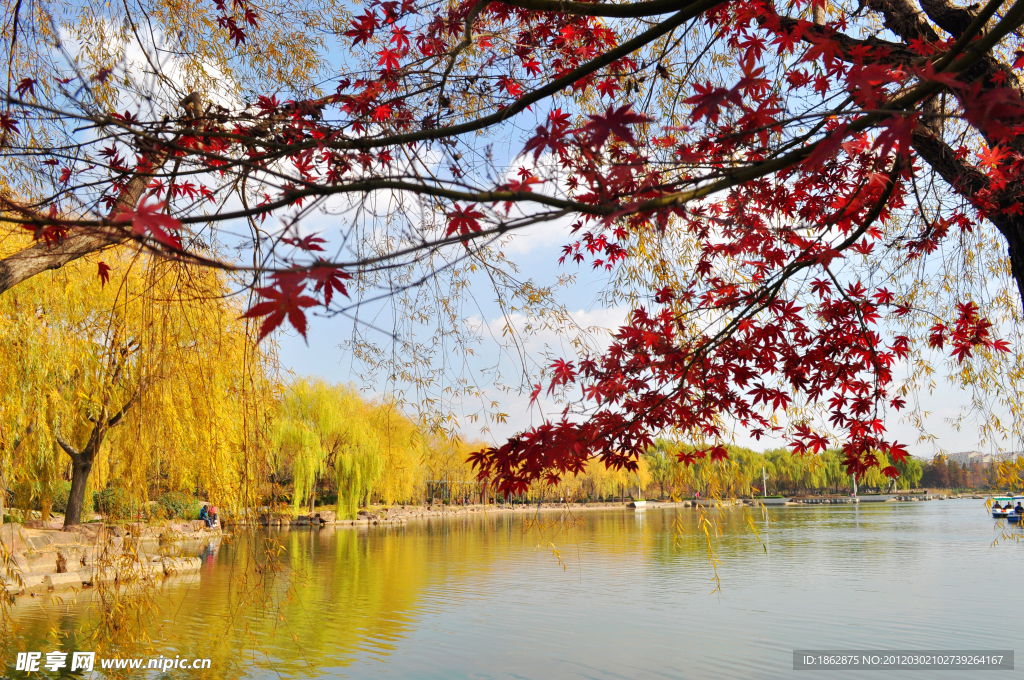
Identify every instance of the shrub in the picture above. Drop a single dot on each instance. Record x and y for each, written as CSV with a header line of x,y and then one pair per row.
x,y
178,505
60,497
116,503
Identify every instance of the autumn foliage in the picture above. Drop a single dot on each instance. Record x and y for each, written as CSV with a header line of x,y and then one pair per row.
x,y
797,150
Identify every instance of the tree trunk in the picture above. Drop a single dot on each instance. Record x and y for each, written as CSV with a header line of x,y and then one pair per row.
x,y
81,466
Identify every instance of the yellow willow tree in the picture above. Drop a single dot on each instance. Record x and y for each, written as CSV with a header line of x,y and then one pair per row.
x,y
150,372
366,447
447,469
403,450
322,427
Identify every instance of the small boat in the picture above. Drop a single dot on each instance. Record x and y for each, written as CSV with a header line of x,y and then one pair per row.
x,y
638,502
998,512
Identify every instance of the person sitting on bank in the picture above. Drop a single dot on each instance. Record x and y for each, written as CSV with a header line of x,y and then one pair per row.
x,y
204,514
213,517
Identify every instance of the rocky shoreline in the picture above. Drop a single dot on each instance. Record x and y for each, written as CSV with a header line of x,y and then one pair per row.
x,y
42,560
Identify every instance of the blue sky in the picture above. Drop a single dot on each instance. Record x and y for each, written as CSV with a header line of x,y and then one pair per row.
x,y
537,252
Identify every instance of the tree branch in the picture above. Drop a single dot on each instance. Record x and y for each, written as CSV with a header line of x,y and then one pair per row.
x,y
75,454
903,19
116,418
947,16
601,9
41,256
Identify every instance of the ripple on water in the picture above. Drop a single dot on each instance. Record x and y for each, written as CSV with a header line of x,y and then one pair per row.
x,y
622,595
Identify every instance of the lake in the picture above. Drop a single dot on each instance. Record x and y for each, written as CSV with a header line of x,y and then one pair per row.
x,y
612,593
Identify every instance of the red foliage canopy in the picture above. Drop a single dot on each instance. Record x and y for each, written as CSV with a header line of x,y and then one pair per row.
x,y
798,148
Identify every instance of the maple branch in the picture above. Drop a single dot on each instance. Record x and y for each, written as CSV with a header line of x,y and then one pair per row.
x,y
601,9
758,303
766,295
961,176
968,181
947,16
467,40
42,256
903,19
897,52
970,56
555,86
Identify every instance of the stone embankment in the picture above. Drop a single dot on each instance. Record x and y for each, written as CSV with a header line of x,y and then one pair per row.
x,y
400,514
40,560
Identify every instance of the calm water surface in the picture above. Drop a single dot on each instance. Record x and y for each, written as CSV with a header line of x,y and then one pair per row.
x,y
619,594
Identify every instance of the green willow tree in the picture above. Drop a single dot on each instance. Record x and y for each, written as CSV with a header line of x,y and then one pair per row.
x,y
323,427
367,448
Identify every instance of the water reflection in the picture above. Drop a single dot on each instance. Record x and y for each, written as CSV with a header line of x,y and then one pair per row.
x,y
605,594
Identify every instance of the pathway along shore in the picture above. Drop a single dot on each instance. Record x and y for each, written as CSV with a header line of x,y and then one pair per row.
x,y
399,514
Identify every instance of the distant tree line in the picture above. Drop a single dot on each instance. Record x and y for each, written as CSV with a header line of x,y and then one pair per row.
x,y
943,473
748,472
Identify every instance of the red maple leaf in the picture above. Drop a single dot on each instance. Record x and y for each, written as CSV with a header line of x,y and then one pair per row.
x,y
551,136
562,373
400,37
149,219
532,67
329,279
388,59
363,27
104,272
26,85
308,243
463,221
284,298
896,134
8,124
608,87
996,111
710,99
614,122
